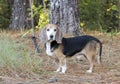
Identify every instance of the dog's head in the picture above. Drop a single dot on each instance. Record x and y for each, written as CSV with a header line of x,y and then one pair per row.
x,y
49,33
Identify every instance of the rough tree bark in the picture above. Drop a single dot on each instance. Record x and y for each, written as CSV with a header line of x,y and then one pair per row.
x,y
65,14
19,14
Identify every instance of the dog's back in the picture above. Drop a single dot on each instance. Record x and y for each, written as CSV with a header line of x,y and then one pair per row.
x,y
75,44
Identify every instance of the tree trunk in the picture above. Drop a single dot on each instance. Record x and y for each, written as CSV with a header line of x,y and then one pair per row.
x,y
119,13
65,14
19,14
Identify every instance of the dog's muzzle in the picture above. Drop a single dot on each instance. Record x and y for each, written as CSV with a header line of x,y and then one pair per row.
x,y
51,36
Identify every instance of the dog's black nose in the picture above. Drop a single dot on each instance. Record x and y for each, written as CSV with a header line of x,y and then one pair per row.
x,y
51,36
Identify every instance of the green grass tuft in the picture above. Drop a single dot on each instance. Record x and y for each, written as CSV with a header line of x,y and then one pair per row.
x,y
15,56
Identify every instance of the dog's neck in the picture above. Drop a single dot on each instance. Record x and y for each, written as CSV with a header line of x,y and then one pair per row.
x,y
50,46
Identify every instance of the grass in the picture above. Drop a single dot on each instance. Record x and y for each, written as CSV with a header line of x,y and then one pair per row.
x,y
15,57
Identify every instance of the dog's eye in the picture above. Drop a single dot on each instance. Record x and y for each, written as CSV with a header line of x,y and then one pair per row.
x,y
48,29
54,29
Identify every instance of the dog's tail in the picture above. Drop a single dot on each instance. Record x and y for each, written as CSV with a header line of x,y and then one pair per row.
x,y
100,52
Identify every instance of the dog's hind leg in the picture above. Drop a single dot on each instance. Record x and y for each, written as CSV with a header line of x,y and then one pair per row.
x,y
91,61
98,56
98,60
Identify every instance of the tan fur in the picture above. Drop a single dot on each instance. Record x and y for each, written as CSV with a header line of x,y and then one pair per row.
x,y
58,53
90,51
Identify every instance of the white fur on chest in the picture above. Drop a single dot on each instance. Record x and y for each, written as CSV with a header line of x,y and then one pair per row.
x,y
48,49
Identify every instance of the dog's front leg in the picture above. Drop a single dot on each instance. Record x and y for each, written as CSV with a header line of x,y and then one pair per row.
x,y
58,62
58,69
48,49
64,66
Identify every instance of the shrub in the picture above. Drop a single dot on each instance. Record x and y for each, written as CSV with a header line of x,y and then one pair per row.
x,y
4,14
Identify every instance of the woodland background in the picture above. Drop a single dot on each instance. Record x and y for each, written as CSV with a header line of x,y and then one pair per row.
x,y
19,64
102,15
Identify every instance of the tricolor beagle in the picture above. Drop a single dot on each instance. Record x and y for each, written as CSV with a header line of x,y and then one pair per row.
x,y
60,48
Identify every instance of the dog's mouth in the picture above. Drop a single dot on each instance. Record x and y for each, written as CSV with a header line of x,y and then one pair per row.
x,y
51,39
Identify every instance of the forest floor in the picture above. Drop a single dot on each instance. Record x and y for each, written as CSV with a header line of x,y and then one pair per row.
x,y
41,69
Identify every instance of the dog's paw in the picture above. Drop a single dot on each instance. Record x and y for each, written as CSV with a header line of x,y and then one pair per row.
x,y
59,72
89,71
56,71
62,72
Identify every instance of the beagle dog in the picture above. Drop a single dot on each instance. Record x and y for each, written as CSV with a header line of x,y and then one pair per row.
x,y
59,48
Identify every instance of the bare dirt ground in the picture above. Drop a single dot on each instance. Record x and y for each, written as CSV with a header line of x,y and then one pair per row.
x,y
107,73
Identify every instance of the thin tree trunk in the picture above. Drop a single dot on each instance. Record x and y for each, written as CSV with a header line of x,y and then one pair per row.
x,y
65,14
119,14
19,14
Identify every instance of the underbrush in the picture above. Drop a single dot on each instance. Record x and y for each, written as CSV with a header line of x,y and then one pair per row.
x,y
16,59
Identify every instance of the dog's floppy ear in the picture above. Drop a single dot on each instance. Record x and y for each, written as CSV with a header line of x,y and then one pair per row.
x,y
59,36
43,36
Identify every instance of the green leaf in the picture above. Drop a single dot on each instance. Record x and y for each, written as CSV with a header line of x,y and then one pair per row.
x,y
114,7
